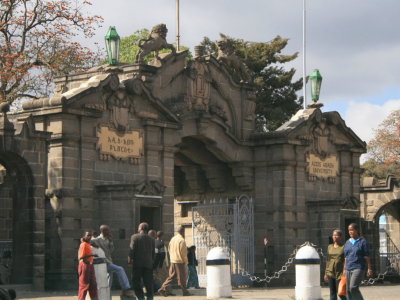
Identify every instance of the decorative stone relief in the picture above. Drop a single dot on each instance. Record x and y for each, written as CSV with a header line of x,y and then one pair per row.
x,y
351,203
322,164
199,87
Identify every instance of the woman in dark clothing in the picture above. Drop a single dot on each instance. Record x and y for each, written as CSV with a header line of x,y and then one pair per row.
x,y
193,280
357,259
334,264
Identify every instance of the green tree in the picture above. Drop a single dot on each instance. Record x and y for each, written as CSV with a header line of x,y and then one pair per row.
x,y
37,43
276,92
130,47
383,151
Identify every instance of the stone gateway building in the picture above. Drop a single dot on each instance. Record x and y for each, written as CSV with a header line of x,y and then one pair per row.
x,y
131,143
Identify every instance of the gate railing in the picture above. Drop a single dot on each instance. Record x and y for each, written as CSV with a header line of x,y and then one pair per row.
x,y
220,223
391,257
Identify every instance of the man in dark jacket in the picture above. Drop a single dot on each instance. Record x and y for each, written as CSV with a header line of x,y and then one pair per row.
x,y
141,257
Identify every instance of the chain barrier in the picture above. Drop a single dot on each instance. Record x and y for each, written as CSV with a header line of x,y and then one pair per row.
x,y
381,276
289,262
285,267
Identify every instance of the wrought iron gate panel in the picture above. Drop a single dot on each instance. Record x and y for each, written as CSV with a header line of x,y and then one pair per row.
x,y
226,225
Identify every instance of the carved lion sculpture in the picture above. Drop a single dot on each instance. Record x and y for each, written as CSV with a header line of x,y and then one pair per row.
x,y
155,42
227,56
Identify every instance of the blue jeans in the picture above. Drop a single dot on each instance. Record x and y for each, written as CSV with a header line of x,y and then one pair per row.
x,y
122,278
353,281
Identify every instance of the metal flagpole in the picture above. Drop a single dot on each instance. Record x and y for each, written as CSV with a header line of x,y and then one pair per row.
x,y
177,25
304,56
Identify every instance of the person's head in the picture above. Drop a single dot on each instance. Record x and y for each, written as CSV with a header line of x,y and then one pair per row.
x,y
354,230
160,235
105,230
143,227
87,236
181,230
152,233
192,248
337,235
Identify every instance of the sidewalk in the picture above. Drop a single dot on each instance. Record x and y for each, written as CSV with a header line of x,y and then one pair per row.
x,y
376,292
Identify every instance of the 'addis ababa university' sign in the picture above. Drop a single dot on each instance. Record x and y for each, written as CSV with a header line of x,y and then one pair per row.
x,y
322,168
120,146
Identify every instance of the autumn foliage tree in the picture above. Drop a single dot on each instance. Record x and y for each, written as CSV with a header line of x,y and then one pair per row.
x,y
383,155
37,42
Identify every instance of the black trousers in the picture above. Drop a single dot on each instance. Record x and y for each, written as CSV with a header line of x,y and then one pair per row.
x,y
333,288
145,274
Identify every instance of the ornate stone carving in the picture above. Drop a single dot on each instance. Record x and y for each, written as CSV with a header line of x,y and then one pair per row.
x,y
149,187
351,203
227,56
321,133
155,42
199,87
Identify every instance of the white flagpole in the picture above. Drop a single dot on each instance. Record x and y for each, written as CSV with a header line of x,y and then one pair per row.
x,y
177,25
304,56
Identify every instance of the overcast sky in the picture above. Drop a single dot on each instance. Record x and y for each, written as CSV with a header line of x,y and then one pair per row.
x,y
354,43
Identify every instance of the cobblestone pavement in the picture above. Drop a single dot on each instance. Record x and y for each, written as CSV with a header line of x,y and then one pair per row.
x,y
377,292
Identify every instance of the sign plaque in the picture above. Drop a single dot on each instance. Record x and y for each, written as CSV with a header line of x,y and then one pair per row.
x,y
128,145
322,168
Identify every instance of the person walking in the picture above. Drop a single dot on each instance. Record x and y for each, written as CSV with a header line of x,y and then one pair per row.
x,y
87,278
141,257
160,269
178,255
105,242
193,280
334,264
356,260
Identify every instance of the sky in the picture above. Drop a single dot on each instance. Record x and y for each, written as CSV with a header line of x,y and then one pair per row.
x,y
354,43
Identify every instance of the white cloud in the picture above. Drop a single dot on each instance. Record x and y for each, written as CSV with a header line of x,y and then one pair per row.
x,y
363,117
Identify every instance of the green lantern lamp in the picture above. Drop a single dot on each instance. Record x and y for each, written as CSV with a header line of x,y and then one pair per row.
x,y
315,80
113,42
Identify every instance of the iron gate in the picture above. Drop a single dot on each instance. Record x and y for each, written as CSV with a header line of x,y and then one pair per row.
x,y
221,223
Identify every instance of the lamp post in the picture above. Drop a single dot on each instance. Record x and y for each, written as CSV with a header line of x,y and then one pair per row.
x,y
315,80
113,41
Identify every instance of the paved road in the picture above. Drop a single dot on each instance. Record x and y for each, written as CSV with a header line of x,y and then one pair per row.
x,y
377,292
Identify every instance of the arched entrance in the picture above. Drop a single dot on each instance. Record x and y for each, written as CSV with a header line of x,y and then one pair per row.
x,y
16,222
388,218
211,205
380,208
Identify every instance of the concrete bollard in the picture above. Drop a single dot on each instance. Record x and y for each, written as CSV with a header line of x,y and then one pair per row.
x,y
308,285
218,274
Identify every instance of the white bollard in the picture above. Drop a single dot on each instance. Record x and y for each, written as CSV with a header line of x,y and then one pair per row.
x,y
308,285
218,274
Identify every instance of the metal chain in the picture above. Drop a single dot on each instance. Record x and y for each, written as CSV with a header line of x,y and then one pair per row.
x,y
289,262
381,276
285,267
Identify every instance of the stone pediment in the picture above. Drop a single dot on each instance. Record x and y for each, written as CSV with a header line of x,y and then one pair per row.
x,y
321,129
105,92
